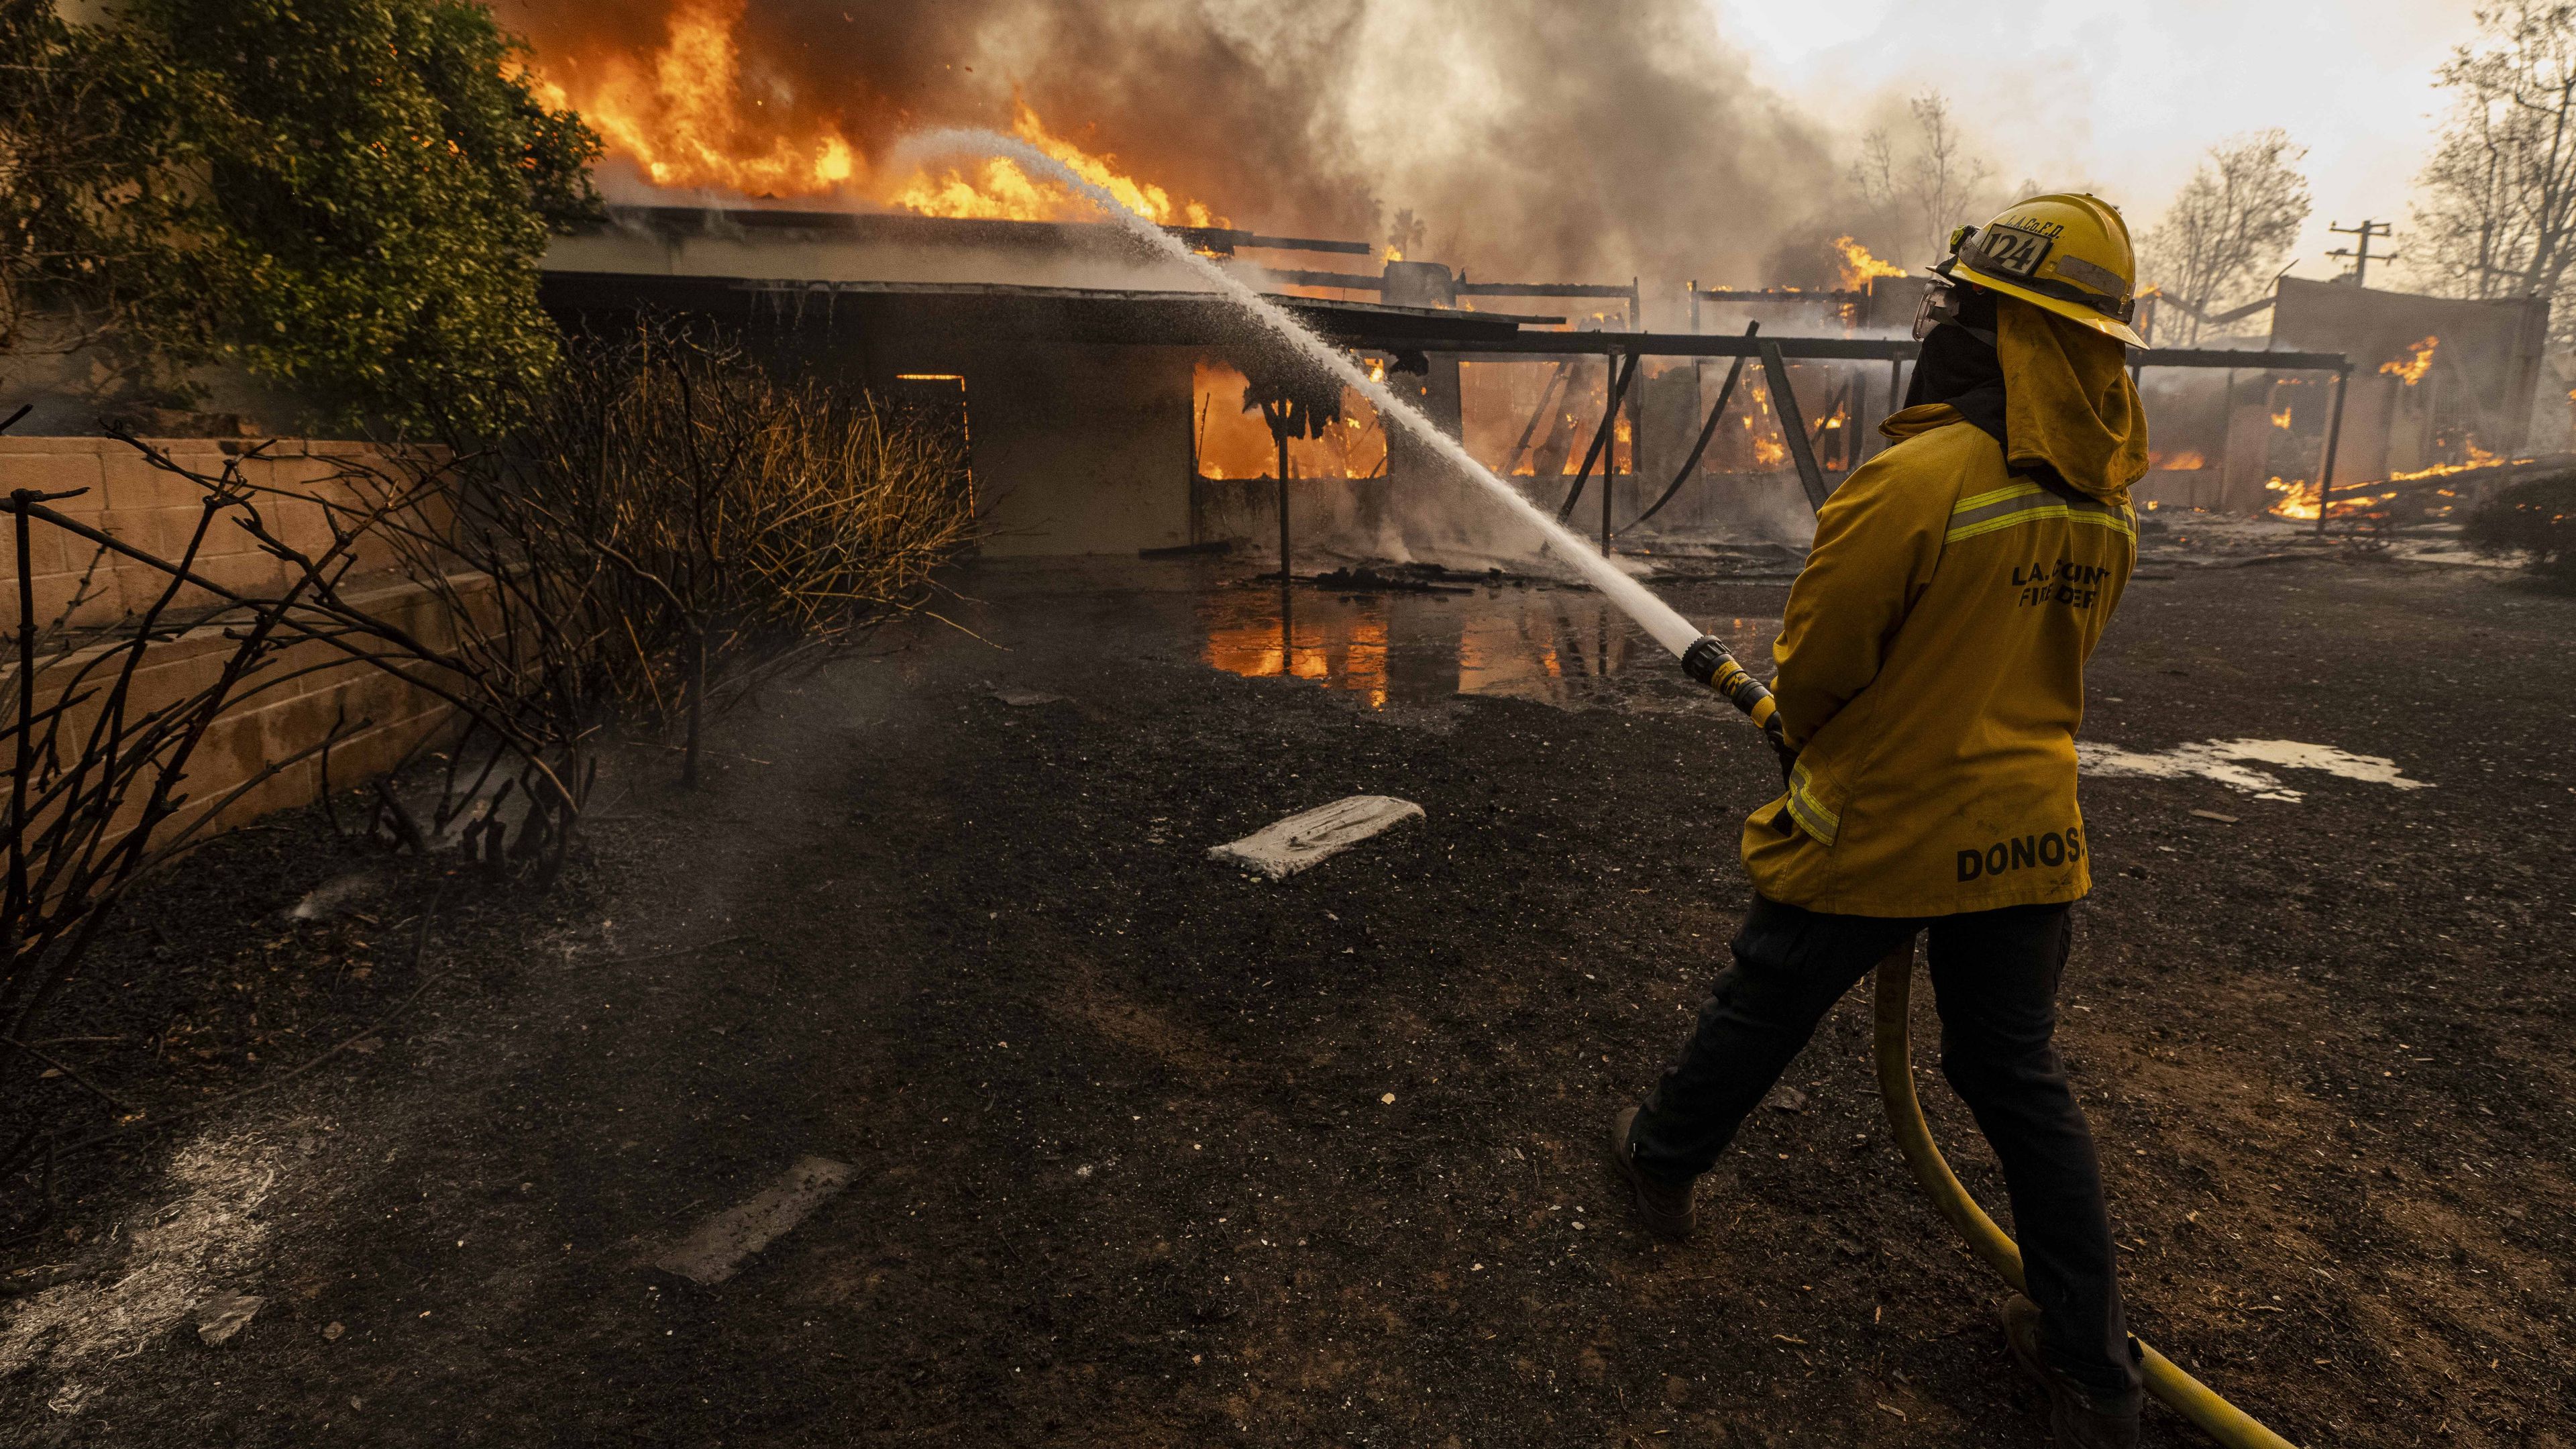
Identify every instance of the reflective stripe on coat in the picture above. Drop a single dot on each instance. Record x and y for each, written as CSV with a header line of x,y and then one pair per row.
x,y
1931,675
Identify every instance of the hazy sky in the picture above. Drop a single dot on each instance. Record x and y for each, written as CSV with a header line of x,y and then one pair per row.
x,y
2129,95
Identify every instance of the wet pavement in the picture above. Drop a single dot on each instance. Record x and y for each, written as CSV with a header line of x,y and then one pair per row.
x,y
1143,1151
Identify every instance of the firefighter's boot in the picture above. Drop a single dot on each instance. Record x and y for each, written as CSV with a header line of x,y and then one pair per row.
x,y
2075,1421
1664,1207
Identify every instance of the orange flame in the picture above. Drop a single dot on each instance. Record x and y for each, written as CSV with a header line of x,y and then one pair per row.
x,y
2418,360
681,114
2281,419
1233,443
999,188
1859,266
2182,462
1768,451
2298,498
2478,458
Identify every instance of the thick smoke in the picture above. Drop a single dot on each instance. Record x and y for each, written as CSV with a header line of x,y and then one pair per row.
x,y
1529,138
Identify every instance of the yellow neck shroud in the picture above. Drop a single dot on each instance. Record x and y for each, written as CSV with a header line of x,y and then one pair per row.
x,y
2068,401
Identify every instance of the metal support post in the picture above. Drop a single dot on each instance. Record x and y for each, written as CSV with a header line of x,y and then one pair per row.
x,y
2334,435
1280,433
1617,379
1636,416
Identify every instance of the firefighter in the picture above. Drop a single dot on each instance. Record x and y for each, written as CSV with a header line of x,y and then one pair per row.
x,y
1931,677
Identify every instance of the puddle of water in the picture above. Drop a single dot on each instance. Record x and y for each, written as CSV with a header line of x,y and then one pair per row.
x,y
2223,761
1562,647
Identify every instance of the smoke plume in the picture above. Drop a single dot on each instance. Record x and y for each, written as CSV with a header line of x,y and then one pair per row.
x,y
1525,138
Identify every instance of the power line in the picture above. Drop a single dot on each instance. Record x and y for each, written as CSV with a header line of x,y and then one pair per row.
x,y
2361,257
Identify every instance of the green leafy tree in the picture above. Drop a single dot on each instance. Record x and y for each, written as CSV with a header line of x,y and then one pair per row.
x,y
350,197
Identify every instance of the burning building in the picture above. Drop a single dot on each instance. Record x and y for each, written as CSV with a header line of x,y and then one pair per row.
x,y
1111,394
757,153
2434,387
1099,384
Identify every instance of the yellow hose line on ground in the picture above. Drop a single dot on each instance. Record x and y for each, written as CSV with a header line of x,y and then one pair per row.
x,y
2188,1396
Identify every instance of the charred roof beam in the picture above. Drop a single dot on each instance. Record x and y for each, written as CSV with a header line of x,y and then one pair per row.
x,y
1226,240
1853,349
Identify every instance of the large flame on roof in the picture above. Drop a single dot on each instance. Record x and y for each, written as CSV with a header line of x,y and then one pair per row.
x,y
681,114
999,188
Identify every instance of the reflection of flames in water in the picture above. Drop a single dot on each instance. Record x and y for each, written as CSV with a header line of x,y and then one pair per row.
x,y
1858,266
1555,648
681,115
1343,653
2418,360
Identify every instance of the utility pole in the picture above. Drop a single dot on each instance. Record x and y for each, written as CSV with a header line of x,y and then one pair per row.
x,y
2360,253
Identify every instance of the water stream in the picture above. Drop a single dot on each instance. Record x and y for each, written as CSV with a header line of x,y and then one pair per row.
x,y
1657,618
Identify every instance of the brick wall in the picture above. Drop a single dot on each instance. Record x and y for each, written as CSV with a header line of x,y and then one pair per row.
x,y
154,510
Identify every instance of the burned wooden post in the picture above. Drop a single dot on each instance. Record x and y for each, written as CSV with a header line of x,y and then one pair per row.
x,y
1793,425
1636,414
1293,400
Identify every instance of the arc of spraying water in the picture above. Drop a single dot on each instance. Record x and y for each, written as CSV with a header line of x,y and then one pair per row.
x,y
1656,617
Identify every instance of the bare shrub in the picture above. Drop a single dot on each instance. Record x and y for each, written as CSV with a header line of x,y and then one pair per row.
x,y
670,526
2228,228
673,524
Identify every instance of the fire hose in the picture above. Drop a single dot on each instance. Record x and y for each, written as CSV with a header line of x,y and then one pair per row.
x,y
1891,1052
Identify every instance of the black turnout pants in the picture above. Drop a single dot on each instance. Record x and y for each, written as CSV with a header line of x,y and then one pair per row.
x,y
1995,975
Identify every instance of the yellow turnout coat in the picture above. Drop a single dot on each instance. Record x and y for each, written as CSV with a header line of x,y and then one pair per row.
x,y
1931,663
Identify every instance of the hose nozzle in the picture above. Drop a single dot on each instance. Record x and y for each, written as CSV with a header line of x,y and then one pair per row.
x,y
1709,662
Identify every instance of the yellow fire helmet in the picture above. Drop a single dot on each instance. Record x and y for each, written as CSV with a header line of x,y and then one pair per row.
x,y
2068,253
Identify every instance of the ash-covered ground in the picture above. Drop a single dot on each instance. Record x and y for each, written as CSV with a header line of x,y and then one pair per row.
x,y
1145,1151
